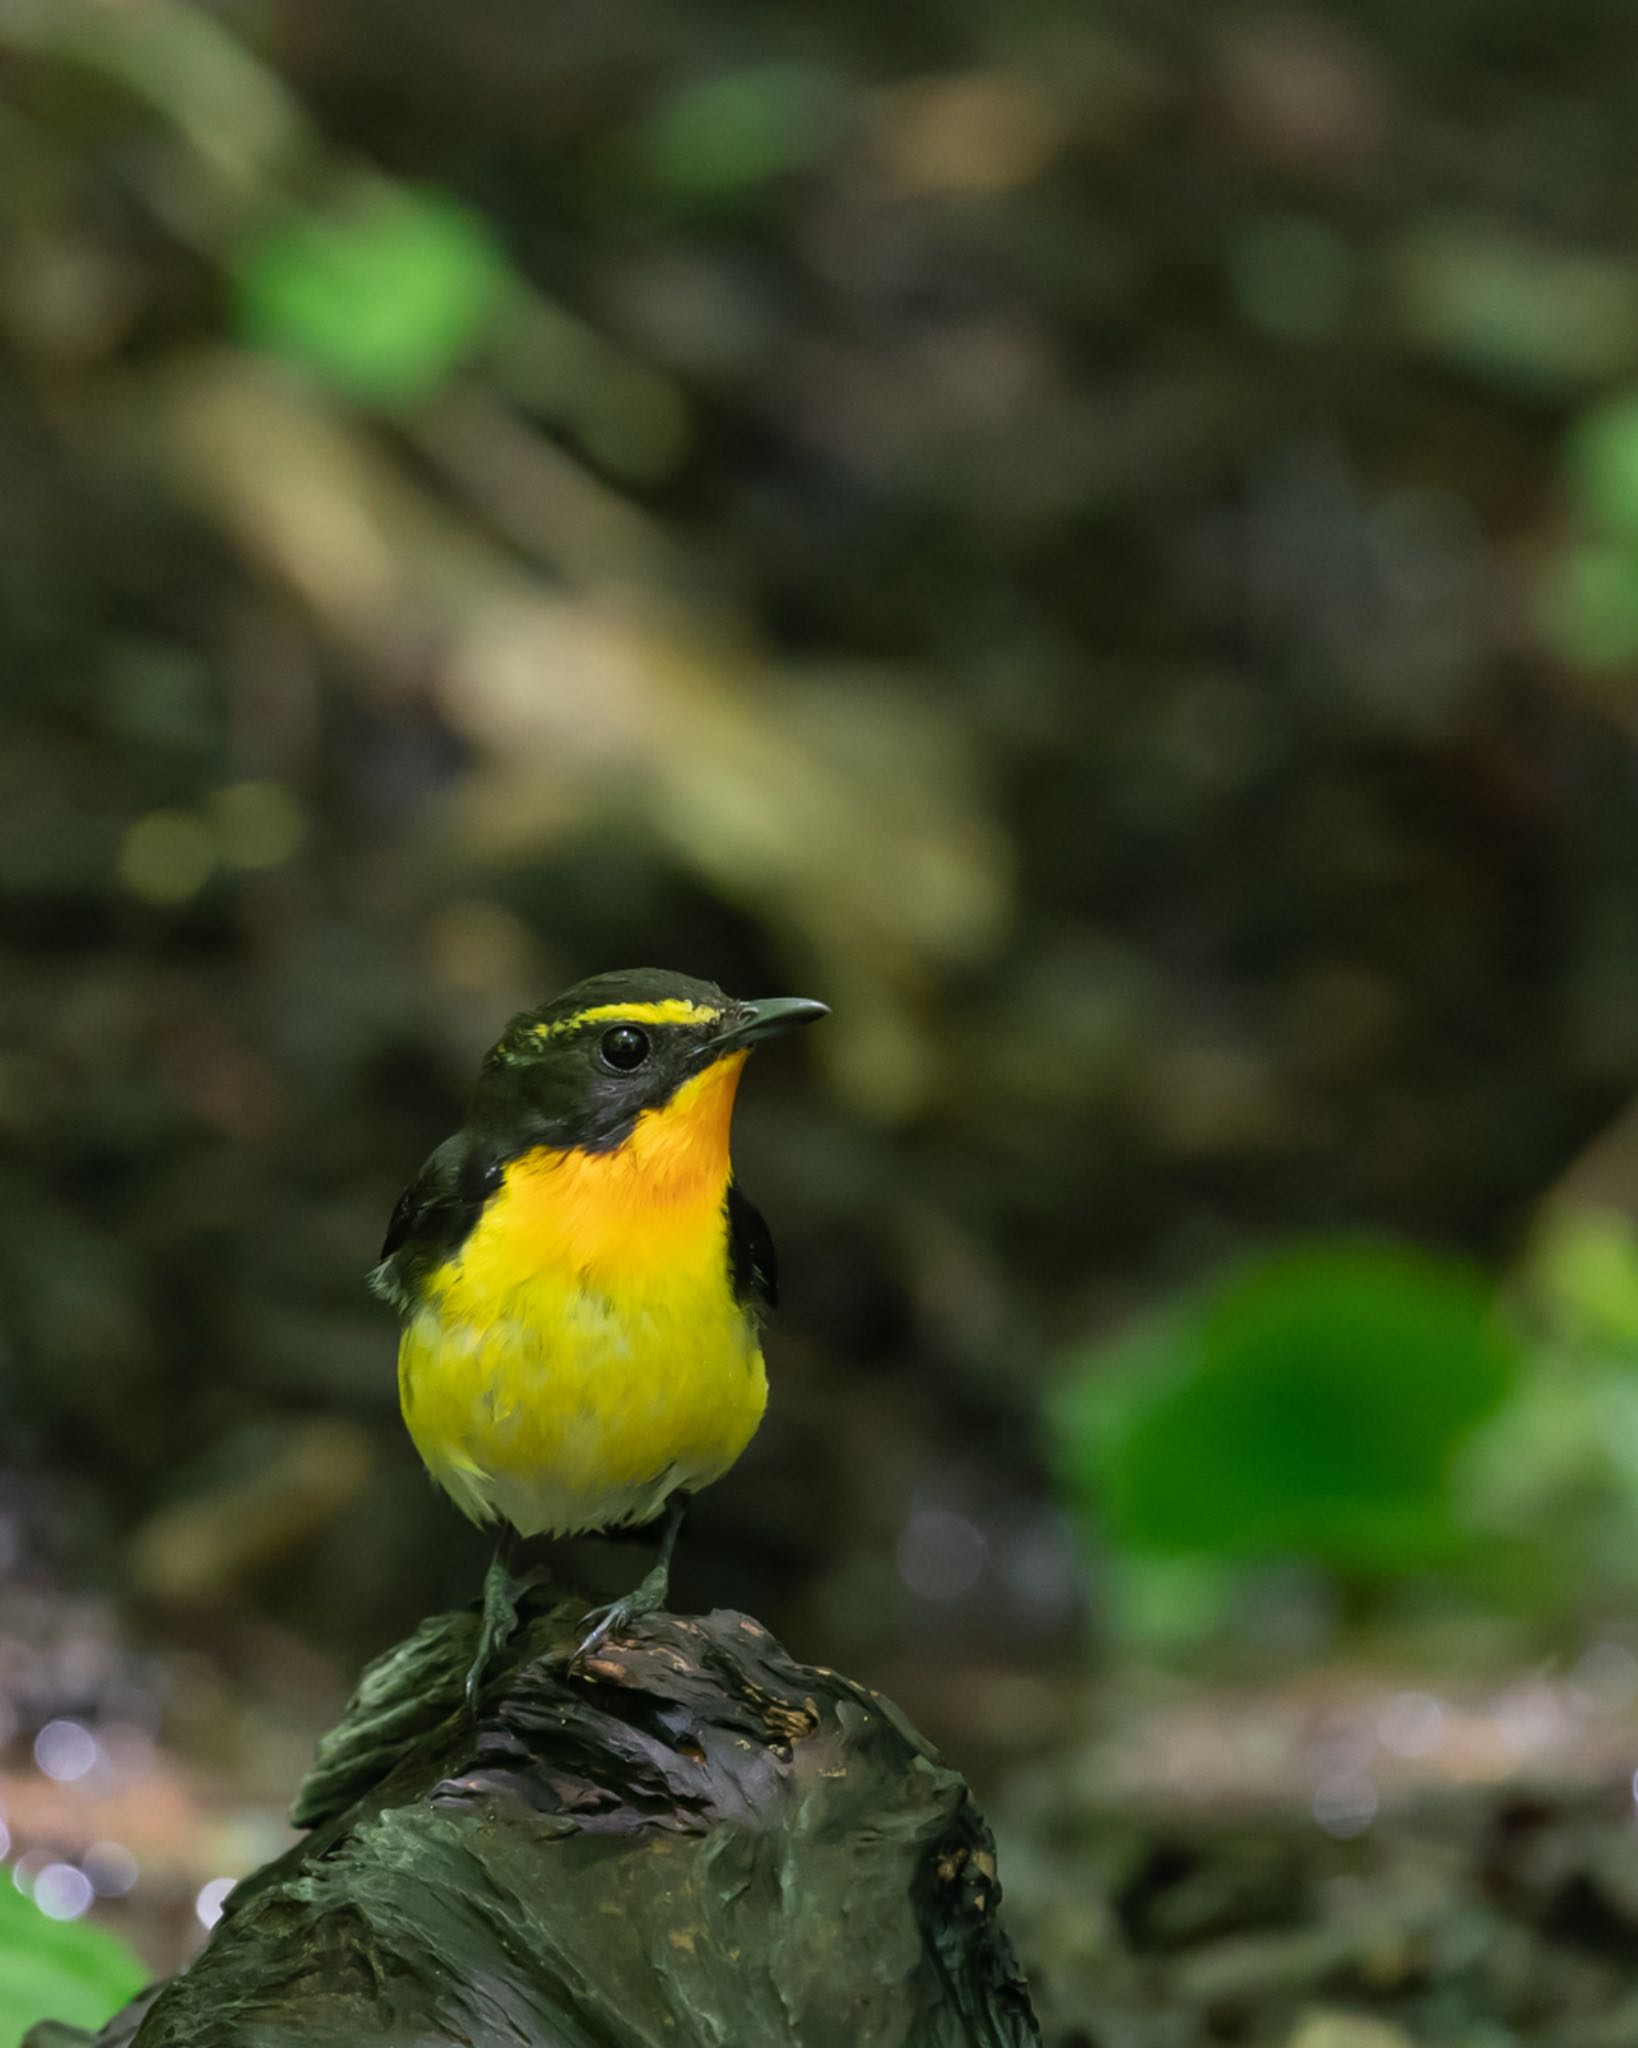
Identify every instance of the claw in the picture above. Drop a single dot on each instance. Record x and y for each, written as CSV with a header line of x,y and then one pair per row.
x,y
648,1598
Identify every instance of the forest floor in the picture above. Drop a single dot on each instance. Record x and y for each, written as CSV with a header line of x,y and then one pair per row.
x,y
1340,1858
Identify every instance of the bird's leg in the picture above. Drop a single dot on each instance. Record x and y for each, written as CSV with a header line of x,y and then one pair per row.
x,y
649,1597
500,1611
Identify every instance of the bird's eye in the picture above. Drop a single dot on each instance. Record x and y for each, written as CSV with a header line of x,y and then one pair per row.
x,y
624,1048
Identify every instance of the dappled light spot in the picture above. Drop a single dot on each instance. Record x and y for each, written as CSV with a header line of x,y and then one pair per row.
x,y
167,857
1345,1807
212,1899
1412,1724
940,1554
112,1869
62,1892
65,1750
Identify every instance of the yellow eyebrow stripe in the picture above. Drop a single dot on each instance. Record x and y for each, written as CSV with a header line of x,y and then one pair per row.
x,y
673,1011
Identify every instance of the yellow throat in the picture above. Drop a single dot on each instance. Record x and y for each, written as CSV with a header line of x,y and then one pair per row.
x,y
649,1205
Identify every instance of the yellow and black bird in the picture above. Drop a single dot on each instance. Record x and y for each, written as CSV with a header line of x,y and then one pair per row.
x,y
580,1282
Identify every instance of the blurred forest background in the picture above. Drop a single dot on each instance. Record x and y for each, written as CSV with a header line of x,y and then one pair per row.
x,y
1101,540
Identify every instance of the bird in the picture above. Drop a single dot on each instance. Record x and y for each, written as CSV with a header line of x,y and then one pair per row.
x,y
580,1283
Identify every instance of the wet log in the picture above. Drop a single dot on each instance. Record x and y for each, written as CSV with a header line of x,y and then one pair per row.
x,y
691,1839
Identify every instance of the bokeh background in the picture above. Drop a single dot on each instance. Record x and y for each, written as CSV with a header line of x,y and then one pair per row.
x,y
1102,541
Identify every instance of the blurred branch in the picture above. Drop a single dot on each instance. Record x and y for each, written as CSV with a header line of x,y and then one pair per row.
x,y
850,832
245,131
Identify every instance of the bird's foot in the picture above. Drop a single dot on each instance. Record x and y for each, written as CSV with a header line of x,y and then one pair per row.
x,y
648,1598
499,1624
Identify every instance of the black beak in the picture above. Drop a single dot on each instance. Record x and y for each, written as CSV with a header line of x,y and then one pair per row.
x,y
767,1019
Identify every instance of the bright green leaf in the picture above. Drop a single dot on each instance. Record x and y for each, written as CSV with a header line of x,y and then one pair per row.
x,y
1111,1389
1311,1406
380,302
58,1970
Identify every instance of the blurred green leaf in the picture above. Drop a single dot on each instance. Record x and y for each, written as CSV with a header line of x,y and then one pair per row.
x,y
1172,1603
1602,465
1310,1406
380,303
746,127
1563,1453
1589,605
1529,315
1585,1267
59,1970
1292,277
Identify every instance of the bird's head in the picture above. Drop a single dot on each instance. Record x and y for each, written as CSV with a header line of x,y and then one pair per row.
x,y
585,1068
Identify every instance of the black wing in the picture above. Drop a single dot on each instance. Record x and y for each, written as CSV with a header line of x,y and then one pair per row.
x,y
434,1216
753,1264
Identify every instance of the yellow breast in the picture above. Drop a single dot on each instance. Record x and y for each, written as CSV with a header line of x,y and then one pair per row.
x,y
583,1356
